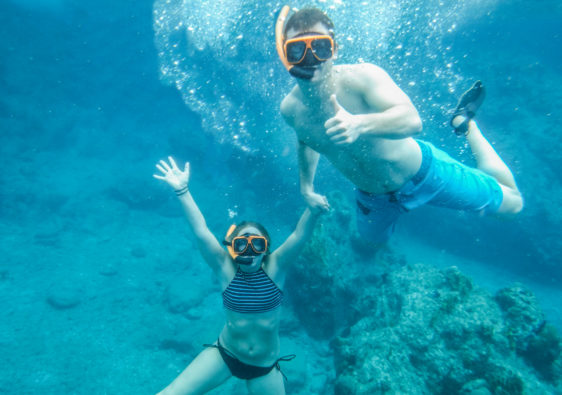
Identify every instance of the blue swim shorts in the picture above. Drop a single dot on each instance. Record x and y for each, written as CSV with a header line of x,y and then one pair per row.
x,y
440,181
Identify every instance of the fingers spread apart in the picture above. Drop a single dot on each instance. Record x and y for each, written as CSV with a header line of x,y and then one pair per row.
x,y
162,169
334,121
165,165
173,163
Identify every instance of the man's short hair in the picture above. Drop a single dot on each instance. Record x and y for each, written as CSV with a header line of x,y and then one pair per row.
x,y
306,18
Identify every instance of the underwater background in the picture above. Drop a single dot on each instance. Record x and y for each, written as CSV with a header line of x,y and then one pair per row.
x,y
102,290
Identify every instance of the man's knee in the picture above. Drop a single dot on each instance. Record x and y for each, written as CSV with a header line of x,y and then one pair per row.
x,y
518,205
512,201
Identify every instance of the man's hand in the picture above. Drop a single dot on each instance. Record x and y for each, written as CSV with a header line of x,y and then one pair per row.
x,y
316,202
176,178
342,128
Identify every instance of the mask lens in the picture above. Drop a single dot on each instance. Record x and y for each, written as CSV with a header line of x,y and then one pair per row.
x,y
259,245
322,48
295,51
239,245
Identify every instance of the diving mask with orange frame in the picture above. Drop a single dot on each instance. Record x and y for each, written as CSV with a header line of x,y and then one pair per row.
x,y
320,45
244,246
303,54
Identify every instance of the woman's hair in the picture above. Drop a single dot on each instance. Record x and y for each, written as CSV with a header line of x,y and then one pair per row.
x,y
246,224
306,18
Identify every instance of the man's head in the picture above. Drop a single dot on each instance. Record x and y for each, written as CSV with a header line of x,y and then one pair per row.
x,y
308,42
306,19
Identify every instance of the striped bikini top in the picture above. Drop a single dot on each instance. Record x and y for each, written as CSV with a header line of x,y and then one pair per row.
x,y
252,293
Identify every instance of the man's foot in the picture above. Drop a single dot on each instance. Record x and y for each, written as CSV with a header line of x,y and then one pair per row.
x,y
469,102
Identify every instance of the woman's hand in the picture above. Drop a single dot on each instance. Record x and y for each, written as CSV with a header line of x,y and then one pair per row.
x,y
176,178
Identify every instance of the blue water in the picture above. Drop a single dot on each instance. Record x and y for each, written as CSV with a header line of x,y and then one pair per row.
x,y
93,94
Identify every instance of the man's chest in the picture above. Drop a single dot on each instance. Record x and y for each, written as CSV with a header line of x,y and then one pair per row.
x,y
311,131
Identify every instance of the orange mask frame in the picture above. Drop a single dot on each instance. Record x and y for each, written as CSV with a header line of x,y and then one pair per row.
x,y
308,42
229,242
249,244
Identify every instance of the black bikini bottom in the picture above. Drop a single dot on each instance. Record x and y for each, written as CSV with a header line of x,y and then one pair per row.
x,y
243,370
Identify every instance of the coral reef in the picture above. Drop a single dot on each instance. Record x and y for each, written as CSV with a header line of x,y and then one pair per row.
x,y
529,334
412,328
446,336
397,327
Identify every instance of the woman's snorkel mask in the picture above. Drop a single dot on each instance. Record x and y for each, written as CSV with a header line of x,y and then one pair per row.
x,y
303,54
243,249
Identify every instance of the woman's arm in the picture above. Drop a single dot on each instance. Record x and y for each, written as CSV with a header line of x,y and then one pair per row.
x,y
210,248
287,253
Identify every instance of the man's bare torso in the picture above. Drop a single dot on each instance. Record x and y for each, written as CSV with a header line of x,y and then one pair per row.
x,y
375,165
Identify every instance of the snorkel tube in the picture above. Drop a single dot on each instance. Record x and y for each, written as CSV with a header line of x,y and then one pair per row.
x,y
296,71
280,37
228,241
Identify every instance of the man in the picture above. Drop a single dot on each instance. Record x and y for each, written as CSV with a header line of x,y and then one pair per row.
x,y
363,123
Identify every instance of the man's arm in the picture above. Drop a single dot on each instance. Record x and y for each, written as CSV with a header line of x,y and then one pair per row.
x,y
399,118
398,122
393,115
308,161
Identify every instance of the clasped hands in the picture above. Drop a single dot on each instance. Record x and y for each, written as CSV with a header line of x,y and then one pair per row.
x,y
316,203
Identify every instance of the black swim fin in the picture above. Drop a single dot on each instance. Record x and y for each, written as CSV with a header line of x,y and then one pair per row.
x,y
469,102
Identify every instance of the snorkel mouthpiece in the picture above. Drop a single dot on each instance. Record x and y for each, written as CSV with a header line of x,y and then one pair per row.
x,y
302,72
306,68
248,255
244,260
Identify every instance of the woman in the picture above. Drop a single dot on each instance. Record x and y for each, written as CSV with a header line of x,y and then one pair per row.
x,y
252,280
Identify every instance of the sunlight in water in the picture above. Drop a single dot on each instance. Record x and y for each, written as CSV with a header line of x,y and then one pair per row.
x,y
223,62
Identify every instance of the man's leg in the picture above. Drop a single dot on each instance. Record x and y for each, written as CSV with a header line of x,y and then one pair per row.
x,y
376,217
488,161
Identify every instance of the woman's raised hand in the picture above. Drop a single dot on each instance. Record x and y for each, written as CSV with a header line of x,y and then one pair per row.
x,y
176,178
